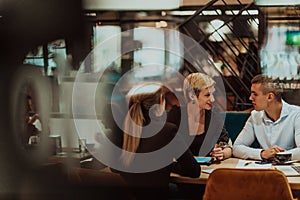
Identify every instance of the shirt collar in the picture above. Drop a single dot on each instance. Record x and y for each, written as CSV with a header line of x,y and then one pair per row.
x,y
284,112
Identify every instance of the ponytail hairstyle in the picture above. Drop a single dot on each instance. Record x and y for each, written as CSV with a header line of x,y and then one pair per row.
x,y
141,99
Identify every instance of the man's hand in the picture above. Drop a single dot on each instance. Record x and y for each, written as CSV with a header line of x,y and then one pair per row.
x,y
271,152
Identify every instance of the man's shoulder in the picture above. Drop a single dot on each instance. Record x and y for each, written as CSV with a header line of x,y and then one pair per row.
x,y
291,107
291,110
256,115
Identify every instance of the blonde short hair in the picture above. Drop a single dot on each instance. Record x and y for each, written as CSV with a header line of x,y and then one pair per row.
x,y
196,82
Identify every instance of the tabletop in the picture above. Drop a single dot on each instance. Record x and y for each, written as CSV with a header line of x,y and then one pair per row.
x,y
228,163
70,156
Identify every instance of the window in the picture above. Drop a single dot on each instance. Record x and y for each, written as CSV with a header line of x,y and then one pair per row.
x,y
107,47
160,50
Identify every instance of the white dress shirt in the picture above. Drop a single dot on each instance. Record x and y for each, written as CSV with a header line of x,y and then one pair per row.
x,y
284,132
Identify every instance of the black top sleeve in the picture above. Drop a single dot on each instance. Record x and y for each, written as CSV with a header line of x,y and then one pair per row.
x,y
186,165
174,115
224,137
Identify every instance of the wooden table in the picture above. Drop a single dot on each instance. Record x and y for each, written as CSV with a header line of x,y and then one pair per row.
x,y
70,156
228,163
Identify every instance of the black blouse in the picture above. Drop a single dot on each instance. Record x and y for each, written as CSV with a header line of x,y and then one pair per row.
x,y
156,182
211,130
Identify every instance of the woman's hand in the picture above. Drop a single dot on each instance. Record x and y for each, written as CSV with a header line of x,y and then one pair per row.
x,y
217,152
221,152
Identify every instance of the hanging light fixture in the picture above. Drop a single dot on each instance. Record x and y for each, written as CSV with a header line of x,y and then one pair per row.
x,y
276,2
131,4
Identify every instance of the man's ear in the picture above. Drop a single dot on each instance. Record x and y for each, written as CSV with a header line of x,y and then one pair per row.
x,y
271,96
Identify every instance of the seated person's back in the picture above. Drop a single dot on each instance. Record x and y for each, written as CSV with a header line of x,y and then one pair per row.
x,y
148,176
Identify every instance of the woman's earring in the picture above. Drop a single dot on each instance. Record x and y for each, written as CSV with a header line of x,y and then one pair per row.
x,y
192,98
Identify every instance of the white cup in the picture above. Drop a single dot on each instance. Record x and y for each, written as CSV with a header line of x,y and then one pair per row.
x,y
282,157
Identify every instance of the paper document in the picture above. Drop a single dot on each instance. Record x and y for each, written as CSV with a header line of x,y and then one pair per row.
x,y
290,170
251,164
208,171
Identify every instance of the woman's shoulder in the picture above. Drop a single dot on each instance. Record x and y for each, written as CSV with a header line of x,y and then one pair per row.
x,y
168,131
171,126
176,109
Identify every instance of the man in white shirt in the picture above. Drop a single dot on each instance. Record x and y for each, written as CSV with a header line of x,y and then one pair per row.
x,y
273,122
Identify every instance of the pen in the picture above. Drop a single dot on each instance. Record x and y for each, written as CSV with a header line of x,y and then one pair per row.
x,y
247,163
263,162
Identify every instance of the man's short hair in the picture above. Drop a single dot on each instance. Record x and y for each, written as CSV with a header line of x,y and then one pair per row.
x,y
269,85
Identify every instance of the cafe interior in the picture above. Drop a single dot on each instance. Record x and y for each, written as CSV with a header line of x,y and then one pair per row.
x,y
66,63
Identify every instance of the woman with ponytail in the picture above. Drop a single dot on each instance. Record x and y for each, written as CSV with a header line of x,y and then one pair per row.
x,y
146,131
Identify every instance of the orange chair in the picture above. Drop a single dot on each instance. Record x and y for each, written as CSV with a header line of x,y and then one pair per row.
x,y
247,184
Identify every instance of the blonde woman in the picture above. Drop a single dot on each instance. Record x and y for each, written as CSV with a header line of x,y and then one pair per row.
x,y
146,106
199,91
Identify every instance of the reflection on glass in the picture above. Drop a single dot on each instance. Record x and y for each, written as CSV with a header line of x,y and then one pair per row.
x,y
280,55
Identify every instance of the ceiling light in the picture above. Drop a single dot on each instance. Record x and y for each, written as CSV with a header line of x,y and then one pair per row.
x,y
211,12
245,12
131,4
276,2
91,14
182,13
161,24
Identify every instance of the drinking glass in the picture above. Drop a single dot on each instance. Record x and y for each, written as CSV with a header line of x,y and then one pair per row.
x,y
82,145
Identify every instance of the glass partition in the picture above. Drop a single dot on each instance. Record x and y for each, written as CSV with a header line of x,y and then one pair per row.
x,y
103,56
280,56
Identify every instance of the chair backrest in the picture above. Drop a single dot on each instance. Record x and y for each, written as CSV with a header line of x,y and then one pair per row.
x,y
247,184
234,123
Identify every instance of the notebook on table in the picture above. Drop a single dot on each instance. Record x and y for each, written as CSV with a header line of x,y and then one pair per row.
x,y
204,160
289,170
